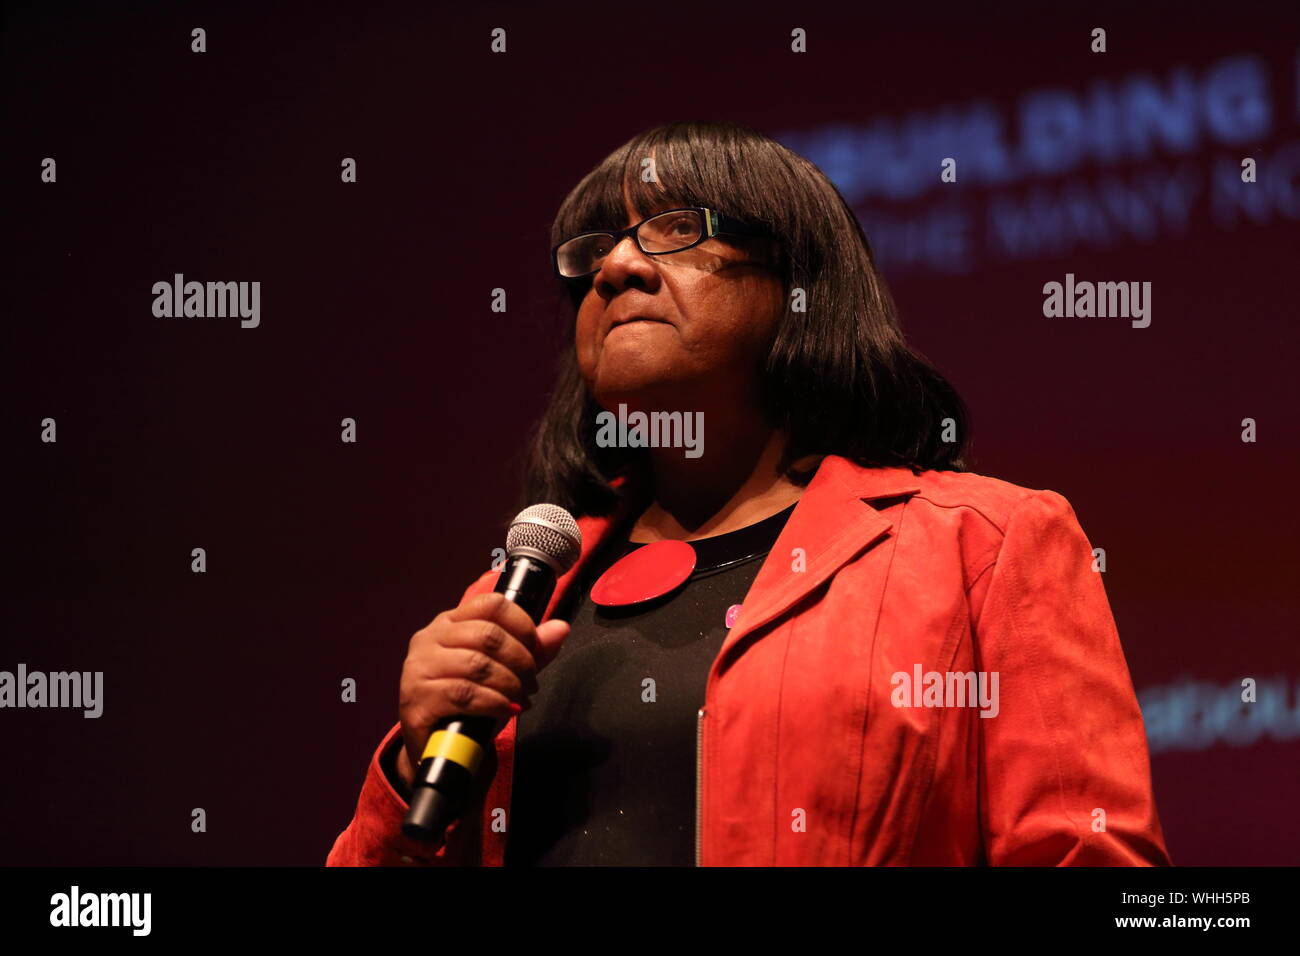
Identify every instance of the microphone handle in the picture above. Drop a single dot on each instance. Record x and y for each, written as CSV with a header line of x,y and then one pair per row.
x,y
447,776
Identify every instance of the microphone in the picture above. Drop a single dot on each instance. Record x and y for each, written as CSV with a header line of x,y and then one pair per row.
x,y
543,543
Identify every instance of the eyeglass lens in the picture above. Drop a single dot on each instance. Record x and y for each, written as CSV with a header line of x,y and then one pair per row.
x,y
666,232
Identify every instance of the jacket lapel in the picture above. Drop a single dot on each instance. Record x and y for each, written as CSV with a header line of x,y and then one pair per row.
x,y
832,523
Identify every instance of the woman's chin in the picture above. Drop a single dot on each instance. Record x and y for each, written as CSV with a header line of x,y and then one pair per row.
x,y
637,392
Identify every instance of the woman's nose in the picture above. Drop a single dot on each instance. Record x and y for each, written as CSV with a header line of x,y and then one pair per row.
x,y
626,266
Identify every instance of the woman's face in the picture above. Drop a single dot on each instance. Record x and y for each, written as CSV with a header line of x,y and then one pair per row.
x,y
692,326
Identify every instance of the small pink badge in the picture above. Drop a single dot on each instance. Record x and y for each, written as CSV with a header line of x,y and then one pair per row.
x,y
733,612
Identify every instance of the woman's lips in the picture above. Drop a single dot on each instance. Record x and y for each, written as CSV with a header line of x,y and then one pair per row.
x,y
635,320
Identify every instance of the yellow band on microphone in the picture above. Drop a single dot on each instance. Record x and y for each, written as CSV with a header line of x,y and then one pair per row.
x,y
458,748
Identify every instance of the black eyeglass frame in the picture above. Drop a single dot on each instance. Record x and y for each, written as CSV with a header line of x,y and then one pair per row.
x,y
715,224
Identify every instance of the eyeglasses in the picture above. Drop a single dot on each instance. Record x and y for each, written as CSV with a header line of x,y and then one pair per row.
x,y
673,230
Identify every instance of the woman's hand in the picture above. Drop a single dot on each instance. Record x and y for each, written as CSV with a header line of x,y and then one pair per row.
x,y
475,659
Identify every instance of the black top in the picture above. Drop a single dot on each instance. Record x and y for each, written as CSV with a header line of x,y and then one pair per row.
x,y
605,758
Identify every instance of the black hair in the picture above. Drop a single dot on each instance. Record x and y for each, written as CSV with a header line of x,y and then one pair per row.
x,y
839,377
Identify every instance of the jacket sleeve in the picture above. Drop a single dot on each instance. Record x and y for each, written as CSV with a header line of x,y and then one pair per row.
x,y
375,838
1065,777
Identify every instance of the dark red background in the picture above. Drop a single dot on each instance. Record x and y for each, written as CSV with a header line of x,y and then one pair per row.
x,y
222,689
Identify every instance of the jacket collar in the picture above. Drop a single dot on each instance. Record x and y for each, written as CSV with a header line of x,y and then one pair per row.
x,y
832,522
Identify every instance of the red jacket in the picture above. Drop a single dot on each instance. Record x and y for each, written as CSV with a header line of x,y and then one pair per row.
x,y
813,749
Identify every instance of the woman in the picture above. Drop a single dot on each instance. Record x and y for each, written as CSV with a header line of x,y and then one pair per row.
x,y
874,657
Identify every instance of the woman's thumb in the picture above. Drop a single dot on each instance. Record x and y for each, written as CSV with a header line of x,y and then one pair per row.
x,y
550,636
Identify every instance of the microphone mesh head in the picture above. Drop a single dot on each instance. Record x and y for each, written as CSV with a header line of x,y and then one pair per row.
x,y
548,530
